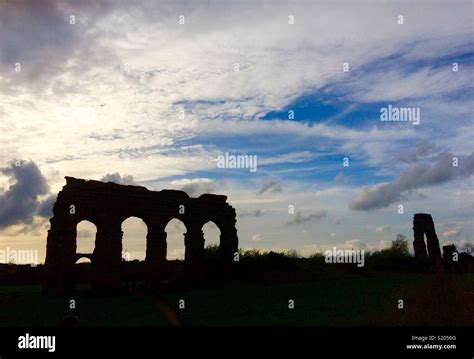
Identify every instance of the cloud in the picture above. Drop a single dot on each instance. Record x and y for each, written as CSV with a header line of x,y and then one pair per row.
x,y
175,253
269,186
194,187
300,218
20,202
396,84
353,244
453,233
422,149
117,178
84,234
417,176
340,179
257,237
43,54
382,229
135,127
46,207
255,213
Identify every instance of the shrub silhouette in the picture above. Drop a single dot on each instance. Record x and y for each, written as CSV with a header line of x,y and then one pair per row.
x,y
397,257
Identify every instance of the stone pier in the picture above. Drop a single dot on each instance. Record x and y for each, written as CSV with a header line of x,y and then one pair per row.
x,y
423,226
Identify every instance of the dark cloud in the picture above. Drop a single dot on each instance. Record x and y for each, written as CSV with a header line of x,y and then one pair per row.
x,y
300,218
417,176
269,186
422,149
19,203
117,178
46,207
34,31
40,30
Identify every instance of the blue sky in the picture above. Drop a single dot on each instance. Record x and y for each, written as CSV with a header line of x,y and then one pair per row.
x,y
129,93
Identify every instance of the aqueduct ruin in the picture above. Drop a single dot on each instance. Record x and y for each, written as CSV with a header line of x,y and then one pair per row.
x,y
423,225
107,205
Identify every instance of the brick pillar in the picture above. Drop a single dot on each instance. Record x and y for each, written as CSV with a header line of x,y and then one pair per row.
x,y
194,248
423,225
434,252
156,248
108,255
229,243
60,258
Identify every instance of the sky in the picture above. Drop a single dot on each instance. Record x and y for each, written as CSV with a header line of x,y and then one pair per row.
x,y
152,93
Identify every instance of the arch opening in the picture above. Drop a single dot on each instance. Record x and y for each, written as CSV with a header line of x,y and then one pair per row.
x,y
175,230
212,234
134,239
86,232
85,240
212,240
83,259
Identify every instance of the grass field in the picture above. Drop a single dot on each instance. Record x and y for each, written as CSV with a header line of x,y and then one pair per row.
x,y
25,305
347,300
334,301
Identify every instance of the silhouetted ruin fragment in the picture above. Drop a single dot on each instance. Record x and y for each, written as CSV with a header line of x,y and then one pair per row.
x,y
107,205
449,253
423,226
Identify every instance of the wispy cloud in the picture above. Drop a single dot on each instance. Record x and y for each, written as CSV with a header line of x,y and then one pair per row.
x,y
302,218
269,186
420,175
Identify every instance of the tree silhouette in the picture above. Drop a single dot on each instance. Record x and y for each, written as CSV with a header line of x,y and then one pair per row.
x,y
400,245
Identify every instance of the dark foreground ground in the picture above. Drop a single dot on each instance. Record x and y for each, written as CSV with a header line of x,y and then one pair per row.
x,y
338,299
271,289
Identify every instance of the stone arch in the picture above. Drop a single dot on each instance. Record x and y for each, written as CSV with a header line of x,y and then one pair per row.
x,y
107,205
